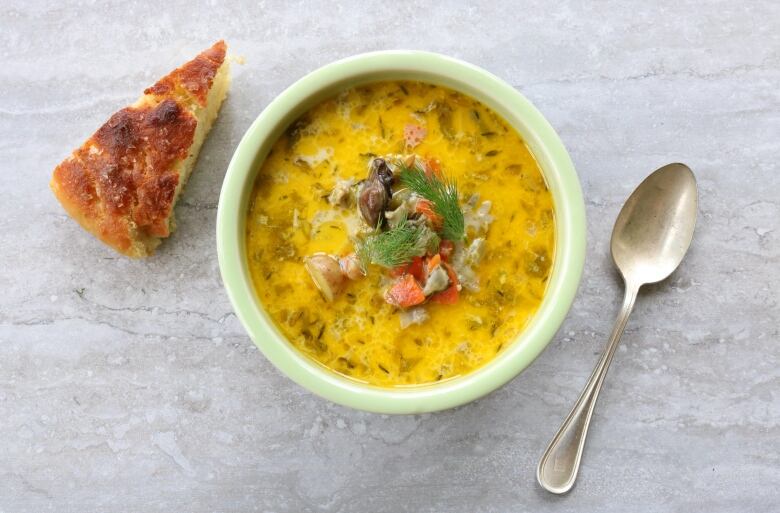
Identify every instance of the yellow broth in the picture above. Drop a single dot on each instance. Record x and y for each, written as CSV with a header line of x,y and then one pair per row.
x,y
358,335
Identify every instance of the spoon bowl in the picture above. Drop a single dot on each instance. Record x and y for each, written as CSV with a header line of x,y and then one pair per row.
x,y
655,226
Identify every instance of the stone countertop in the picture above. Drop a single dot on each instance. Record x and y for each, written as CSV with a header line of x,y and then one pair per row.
x,y
131,386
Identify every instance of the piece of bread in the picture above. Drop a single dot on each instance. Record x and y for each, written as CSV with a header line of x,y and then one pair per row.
x,y
121,185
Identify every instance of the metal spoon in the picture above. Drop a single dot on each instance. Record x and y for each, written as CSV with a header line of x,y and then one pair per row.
x,y
649,240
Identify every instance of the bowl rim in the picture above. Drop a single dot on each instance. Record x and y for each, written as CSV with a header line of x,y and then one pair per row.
x,y
537,133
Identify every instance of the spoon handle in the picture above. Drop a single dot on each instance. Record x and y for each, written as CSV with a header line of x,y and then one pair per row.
x,y
560,462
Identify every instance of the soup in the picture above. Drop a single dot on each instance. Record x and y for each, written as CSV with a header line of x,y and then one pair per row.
x,y
400,233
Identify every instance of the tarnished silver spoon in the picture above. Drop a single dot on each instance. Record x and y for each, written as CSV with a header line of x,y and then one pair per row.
x,y
649,240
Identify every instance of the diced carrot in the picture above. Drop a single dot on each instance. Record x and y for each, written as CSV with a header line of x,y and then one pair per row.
x,y
448,296
446,248
405,292
431,263
432,166
425,208
434,261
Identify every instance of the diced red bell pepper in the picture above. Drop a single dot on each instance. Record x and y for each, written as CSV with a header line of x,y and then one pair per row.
x,y
405,292
415,268
395,272
448,296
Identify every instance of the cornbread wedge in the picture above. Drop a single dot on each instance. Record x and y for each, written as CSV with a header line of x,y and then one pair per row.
x,y
121,185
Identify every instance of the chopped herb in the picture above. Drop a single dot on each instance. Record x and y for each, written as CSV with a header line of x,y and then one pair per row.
x,y
294,131
346,362
492,153
80,292
404,89
443,193
381,127
395,247
383,369
294,317
488,134
445,121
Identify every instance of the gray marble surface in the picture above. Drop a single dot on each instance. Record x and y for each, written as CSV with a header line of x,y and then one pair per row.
x,y
131,386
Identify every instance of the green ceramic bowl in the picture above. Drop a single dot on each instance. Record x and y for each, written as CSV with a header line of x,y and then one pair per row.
x,y
437,69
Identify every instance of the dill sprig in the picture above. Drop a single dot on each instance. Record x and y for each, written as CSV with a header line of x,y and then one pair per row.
x,y
443,194
396,246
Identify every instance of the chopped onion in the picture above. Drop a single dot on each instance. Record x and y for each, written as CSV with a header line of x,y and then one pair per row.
x,y
416,315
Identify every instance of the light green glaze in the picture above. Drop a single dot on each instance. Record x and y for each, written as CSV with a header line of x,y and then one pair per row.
x,y
402,65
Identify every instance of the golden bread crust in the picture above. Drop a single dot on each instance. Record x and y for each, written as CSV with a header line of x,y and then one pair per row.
x,y
195,77
121,184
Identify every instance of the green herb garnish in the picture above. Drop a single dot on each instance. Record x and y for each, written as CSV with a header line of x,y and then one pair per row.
x,y
443,194
397,246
